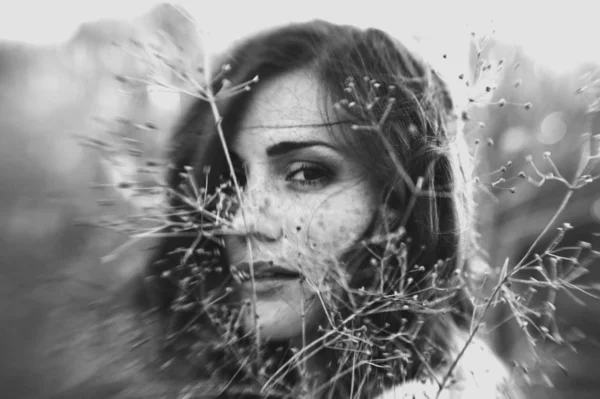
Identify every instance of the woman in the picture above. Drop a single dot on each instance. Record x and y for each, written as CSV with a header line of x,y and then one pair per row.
x,y
330,214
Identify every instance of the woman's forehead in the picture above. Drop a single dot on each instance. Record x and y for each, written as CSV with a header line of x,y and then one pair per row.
x,y
287,107
292,98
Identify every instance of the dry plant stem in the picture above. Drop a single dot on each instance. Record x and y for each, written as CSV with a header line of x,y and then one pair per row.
x,y
195,206
499,286
114,254
548,319
312,344
562,206
210,97
353,375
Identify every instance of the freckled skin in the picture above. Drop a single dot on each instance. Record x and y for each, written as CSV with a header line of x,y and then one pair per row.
x,y
304,228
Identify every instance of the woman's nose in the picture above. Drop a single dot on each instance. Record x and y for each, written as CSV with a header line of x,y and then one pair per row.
x,y
259,217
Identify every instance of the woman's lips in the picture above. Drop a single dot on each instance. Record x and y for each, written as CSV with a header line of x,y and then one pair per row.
x,y
266,275
262,270
268,286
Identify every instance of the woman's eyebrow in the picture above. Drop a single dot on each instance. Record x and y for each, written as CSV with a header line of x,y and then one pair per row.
x,y
283,147
296,125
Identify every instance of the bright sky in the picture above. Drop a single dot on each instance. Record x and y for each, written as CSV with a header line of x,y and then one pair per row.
x,y
559,34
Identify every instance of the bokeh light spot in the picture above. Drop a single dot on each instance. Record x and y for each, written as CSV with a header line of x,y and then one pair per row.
x,y
513,140
552,129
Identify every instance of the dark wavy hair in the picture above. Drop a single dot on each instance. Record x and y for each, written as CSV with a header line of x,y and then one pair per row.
x,y
415,156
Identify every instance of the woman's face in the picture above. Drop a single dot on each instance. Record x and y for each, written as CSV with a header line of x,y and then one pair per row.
x,y
305,200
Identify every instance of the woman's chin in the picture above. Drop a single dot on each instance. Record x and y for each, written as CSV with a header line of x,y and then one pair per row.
x,y
282,308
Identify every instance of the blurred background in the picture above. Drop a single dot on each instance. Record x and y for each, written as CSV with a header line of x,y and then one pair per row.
x,y
535,73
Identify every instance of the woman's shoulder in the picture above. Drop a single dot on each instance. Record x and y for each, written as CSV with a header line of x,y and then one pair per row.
x,y
479,374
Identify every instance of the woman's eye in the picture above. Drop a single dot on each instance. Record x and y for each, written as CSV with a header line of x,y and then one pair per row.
x,y
306,174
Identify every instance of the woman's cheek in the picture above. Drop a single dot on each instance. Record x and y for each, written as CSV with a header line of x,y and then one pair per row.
x,y
338,224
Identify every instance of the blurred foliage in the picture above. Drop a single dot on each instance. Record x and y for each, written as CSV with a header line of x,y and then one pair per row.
x,y
535,113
